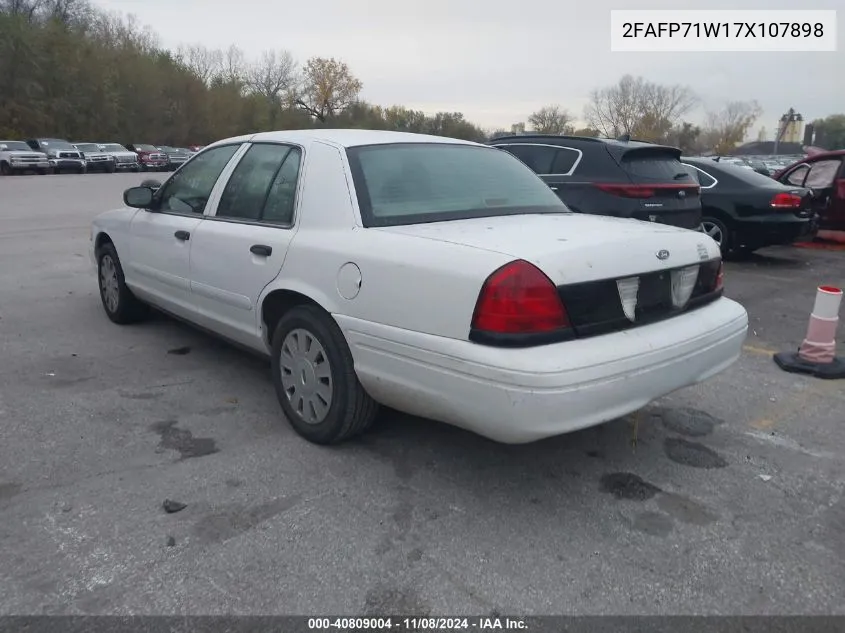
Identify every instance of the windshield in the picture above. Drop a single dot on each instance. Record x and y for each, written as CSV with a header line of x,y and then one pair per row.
x,y
147,148
16,146
411,183
114,147
51,143
88,147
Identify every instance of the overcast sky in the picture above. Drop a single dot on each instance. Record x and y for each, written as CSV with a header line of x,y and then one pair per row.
x,y
497,61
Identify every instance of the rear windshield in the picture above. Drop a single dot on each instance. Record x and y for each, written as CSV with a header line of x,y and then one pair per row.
x,y
743,174
655,165
411,183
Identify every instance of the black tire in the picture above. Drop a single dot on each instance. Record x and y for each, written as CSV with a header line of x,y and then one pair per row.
x,y
136,169
5,169
351,410
111,170
81,171
128,308
44,172
717,225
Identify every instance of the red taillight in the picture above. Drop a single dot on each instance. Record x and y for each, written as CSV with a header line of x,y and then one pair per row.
x,y
786,201
519,299
720,278
644,191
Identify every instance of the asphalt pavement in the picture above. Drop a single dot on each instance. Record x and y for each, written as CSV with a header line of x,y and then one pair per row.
x,y
724,498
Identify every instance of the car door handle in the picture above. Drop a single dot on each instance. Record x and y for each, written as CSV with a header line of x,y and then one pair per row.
x,y
183,236
261,249
553,188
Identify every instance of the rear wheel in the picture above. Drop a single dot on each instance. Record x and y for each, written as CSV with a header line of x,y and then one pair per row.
x,y
717,230
5,169
315,379
120,304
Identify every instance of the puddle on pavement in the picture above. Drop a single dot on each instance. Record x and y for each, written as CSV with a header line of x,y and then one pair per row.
x,y
183,440
628,486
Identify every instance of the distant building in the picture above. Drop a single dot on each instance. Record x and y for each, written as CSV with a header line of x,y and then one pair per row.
x,y
791,127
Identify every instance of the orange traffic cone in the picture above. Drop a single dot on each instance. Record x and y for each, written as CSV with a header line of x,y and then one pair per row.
x,y
817,354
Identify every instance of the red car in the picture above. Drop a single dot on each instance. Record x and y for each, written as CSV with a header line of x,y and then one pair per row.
x,y
150,157
824,174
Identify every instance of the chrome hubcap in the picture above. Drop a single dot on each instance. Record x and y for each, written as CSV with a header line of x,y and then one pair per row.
x,y
306,376
712,230
108,283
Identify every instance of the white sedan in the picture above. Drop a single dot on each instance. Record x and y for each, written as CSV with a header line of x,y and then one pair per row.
x,y
439,277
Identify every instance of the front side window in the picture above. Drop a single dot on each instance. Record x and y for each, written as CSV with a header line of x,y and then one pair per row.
x,y
255,182
822,174
188,189
410,183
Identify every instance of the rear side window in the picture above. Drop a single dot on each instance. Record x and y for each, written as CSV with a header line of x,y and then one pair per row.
x,y
250,182
565,160
538,157
655,166
704,179
409,183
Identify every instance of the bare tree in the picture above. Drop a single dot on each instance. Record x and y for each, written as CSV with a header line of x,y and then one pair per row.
x,y
204,62
26,8
328,87
234,66
638,107
726,129
551,120
271,75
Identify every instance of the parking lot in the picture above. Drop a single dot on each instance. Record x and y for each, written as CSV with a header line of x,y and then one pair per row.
x,y
725,498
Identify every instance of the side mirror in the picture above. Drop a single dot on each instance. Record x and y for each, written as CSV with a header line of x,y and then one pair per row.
x,y
138,197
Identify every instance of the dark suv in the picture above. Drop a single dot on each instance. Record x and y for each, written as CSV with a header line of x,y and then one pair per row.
x,y
620,178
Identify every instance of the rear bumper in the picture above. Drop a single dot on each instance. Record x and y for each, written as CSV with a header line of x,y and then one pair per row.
x,y
522,395
774,231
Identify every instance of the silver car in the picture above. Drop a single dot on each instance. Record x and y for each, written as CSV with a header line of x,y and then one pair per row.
x,y
124,160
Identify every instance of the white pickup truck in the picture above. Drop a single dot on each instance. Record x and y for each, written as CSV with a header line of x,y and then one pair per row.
x,y
17,156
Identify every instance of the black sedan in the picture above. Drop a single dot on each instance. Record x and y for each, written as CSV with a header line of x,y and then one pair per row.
x,y
743,210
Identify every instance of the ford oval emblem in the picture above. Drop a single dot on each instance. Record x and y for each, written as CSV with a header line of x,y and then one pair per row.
x,y
664,254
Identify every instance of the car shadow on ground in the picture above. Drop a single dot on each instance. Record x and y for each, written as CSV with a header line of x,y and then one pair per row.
x,y
411,445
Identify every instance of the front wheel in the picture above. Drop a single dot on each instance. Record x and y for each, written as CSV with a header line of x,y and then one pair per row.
x,y
5,169
717,230
120,304
314,377
81,170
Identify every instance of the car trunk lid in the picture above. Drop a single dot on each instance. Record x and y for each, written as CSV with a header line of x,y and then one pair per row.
x,y
574,248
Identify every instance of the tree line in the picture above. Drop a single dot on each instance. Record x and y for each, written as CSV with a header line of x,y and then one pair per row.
x,y
70,70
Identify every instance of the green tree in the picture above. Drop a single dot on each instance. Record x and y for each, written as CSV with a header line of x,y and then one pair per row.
x,y
830,131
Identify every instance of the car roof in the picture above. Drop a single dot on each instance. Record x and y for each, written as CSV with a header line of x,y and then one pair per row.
x,y
343,138
555,139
